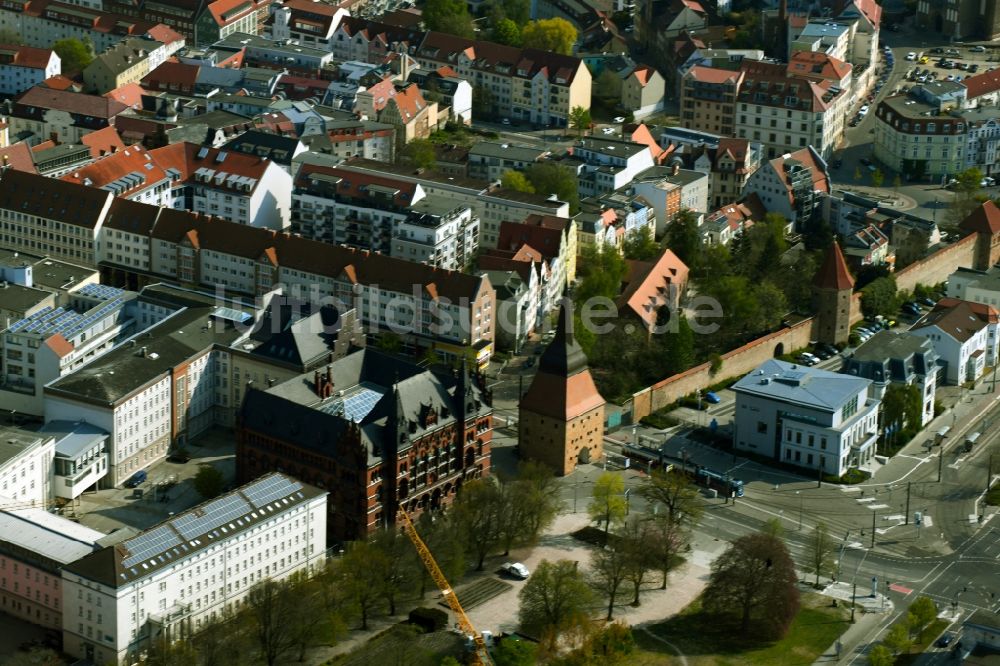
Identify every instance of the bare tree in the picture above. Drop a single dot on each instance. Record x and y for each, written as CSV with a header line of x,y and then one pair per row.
x,y
271,610
665,541
359,572
608,568
821,550
676,494
755,578
399,570
639,558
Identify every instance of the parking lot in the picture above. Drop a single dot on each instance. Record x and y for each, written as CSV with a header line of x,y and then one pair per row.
x,y
168,489
947,64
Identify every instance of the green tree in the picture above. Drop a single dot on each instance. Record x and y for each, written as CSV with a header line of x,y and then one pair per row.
x,y
608,504
209,481
556,34
878,297
478,512
820,550
555,597
902,408
608,87
674,351
74,54
967,185
600,274
505,31
421,153
877,178
271,607
550,178
518,11
683,239
450,16
666,540
640,559
359,575
579,119
897,639
755,580
922,612
514,652
483,102
515,180
641,245
880,655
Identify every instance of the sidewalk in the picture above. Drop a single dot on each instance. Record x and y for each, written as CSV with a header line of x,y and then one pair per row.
x,y
850,641
870,613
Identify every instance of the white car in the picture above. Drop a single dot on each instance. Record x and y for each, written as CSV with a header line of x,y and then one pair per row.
x,y
911,56
978,49
618,119
863,111
516,569
608,130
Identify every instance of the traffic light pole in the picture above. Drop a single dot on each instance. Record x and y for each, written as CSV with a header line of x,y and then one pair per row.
x,y
874,514
906,518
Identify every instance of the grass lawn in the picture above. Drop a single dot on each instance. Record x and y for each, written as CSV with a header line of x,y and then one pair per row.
x,y
933,630
704,643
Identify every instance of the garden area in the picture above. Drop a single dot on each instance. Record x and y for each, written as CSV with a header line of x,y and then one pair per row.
x,y
706,642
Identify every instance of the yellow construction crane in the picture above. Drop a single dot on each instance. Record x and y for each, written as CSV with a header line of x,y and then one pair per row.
x,y
481,655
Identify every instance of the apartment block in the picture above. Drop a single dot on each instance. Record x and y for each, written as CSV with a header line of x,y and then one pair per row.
x,y
22,67
127,62
41,23
41,114
165,583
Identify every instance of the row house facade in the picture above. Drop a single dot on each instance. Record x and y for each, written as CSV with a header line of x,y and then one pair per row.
x,y
22,67
41,23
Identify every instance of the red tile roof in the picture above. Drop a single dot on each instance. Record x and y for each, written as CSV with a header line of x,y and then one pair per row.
x,y
103,142
957,318
871,9
129,94
410,102
641,134
981,84
60,345
355,184
60,82
71,102
643,73
812,64
713,74
984,220
116,165
164,34
183,75
26,56
653,284
833,274
224,12
544,239
17,156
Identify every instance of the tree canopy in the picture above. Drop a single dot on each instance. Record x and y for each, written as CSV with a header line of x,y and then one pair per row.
x,y
516,180
75,54
555,34
878,297
550,178
579,119
555,597
450,16
754,582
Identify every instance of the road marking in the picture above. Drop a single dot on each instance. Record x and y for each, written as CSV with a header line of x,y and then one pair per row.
x,y
875,507
856,545
928,521
895,587
865,499
898,516
850,489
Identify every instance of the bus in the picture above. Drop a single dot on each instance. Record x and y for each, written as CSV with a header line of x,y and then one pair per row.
x,y
970,441
710,479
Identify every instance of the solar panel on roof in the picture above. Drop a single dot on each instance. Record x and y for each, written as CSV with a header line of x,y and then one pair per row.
x,y
148,544
214,514
269,489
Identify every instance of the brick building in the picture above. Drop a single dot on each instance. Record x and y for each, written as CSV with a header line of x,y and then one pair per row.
x,y
561,417
377,432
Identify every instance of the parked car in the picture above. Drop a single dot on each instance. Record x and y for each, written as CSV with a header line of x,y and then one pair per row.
x,y
937,49
978,49
516,569
618,119
929,302
805,358
179,457
823,354
837,163
608,130
952,52
136,479
911,56
973,68
945,640
712,397
867,162
863,111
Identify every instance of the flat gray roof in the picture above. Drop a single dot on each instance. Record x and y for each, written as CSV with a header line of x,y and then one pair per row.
x,y
52,537
811,387
73,437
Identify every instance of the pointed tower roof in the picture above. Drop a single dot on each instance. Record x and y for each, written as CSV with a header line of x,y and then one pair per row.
x,y
564,356
563,387
984,220
833,274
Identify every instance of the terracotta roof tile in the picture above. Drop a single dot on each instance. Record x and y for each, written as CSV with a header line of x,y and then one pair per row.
x,y
129,94
833,274
103,142
985,219
60,345
18,156
26,56
71,102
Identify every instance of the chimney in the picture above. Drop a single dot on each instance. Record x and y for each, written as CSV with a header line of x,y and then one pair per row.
x,y
142,352
329,375
316,381
675,170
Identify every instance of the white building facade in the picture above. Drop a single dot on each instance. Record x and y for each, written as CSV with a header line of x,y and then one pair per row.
x,y
169,581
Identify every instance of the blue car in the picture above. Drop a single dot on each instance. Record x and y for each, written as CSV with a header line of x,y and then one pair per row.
x,y
711,397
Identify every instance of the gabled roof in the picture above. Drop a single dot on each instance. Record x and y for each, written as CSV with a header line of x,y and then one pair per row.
x,y
26,56
18,156
713,74
959,319
812,64
544,239
103,141
985,219
71,102
981,84
52,199
833,274
129,94
650,284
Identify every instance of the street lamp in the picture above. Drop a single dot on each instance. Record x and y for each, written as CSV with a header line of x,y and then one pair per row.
x,y
854,594
800,508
